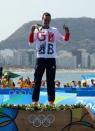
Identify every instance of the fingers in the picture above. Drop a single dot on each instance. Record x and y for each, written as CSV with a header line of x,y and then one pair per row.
x,y
66,28
33,28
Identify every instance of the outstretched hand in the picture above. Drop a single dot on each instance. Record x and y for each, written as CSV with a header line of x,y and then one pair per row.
x,y
33,28
66,29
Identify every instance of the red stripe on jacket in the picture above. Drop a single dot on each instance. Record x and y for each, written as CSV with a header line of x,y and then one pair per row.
x,y
66,36
31,37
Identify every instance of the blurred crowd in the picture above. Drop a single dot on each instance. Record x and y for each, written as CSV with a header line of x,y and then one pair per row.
x,y
81,84
7,82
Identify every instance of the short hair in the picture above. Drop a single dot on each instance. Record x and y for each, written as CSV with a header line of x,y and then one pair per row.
x,y
46,14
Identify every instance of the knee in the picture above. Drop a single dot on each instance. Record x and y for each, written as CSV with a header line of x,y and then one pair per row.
x,y
50,82
37,82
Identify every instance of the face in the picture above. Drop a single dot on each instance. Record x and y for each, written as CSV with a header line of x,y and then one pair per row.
x,y
46,21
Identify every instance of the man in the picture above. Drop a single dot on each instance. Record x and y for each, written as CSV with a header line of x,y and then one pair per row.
x,y
45,38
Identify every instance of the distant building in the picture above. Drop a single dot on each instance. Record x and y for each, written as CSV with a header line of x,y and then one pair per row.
x,y
92,61
2,61
6,57
32,57
78,54
21,58
66,60
85,59
17,58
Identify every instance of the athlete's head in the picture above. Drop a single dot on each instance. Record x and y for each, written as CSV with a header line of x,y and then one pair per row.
x,y
46,18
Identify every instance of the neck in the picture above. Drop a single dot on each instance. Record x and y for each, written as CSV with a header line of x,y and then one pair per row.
x,y
45,27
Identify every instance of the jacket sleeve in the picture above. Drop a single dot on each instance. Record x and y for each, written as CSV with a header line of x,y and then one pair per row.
x,y
66,36
62,38
31,38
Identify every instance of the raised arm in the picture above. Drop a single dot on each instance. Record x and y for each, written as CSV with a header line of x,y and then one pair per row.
x,y
31,35
64,37
66,33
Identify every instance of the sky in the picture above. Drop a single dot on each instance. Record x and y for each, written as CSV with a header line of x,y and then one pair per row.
x,y
15,13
